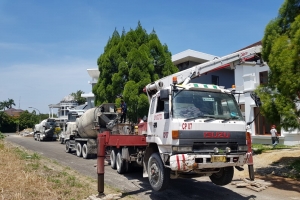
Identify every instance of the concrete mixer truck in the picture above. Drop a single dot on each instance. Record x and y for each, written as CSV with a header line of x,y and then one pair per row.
x,y
83,132
45,130
70,125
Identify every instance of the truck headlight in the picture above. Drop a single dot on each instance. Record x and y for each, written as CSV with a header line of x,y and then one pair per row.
x,y
181,149
243,148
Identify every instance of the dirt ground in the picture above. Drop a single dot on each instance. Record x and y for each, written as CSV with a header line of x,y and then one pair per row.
x,y
272,166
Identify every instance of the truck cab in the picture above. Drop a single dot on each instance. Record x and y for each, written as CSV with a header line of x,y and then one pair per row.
x,y
199,129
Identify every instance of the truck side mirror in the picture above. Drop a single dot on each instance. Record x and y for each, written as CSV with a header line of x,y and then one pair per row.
x,y
164,95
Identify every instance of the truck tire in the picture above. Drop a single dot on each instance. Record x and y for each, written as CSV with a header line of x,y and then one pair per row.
x,y
38,138
85,152
159,176
113,159
223,177
68,149
121,164
78,149
34,136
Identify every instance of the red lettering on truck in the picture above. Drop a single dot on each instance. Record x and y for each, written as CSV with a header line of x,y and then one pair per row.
x,y
216,135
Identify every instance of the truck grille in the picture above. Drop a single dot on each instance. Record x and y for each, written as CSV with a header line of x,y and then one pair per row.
x,y
208,147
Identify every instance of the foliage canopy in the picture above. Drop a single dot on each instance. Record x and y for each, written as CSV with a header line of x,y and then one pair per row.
x,y
281,49
77,96
130,61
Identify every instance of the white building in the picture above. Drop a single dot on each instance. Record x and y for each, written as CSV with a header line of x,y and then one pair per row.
x,y
67,103
246,78
90,97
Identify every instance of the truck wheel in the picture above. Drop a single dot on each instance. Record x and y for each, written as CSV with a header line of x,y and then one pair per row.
x,y
34,136
121,164
38,138
68,149
113,159
159,176
61,140
78,149
85,152
223,177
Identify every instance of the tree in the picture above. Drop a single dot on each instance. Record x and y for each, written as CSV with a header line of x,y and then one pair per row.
x,y
77,96
7,123
4,105
27,120
10,102
7,104
130,61
281,49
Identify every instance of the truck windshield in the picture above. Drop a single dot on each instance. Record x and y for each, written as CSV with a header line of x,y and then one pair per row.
x,y
204,104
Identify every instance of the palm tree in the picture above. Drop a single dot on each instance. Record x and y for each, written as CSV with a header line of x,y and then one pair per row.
x,y
3,105
10,102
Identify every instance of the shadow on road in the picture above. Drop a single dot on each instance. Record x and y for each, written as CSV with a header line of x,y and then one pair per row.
x,y
183,189
276,173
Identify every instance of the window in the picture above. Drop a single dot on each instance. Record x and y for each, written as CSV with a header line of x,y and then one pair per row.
x,y
215,80
263,77
203,104
160,105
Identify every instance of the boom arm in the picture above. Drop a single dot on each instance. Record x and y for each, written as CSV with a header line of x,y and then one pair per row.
x,y
184,77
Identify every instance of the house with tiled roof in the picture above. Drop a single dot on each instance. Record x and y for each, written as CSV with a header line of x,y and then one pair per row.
x,y
14,112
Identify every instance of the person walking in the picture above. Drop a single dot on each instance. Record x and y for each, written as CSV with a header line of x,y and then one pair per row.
x,y
274,135
124,111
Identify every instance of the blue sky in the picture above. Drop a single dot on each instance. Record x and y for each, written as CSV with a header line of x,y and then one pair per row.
x,y
46,46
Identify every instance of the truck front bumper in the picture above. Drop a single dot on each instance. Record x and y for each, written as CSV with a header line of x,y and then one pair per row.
x,y
189,162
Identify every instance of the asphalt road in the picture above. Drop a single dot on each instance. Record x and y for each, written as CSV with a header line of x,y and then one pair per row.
x,y
134,184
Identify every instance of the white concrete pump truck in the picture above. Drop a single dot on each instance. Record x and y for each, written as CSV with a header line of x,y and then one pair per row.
x,y
192,129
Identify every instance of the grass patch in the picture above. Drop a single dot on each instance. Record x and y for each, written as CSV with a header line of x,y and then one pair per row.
x,y
26,175
261,148
2,136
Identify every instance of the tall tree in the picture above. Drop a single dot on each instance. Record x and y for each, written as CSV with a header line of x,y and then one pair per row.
x,y
77,96
128,64
281,49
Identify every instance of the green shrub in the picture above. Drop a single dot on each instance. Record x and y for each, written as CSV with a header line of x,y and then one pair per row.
x,y
261,148
2,136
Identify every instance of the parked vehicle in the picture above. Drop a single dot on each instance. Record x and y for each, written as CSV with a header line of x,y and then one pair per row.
x,y
69,126
82,134
45,130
